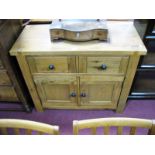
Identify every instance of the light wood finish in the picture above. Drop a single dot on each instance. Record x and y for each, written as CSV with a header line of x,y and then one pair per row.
x,y
57,90
29,126
16,131
115,64
4,78
133,130
77,68
123,40
28,78
40,20
119,130
106,123
152,130
106,130
100,90
133,62
61,64
28,131
8,93
93,131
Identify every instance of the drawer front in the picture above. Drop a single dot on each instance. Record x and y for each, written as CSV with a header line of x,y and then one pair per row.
x,y
4,78
7,93
52,64
100,91
103,65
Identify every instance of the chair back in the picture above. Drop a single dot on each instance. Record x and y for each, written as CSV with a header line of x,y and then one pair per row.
x,y
119,123
18,126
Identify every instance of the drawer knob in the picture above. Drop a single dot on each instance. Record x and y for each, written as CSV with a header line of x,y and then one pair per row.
x,y
51,67
73,94
83,94
103,66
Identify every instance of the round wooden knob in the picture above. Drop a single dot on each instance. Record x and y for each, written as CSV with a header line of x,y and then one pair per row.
x,y
83,94
103,66
73,94
51,67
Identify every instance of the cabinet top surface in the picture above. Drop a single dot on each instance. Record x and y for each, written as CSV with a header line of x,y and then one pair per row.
x,y
123,39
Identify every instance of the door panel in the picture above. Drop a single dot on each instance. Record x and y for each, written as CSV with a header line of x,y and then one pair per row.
x,y
4,78
100,90
7,93
56,91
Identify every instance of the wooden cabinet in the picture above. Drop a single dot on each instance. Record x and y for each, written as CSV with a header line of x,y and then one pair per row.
x,y
74,75
13,94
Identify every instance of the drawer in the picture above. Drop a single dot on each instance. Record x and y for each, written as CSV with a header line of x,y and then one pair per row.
x,y
1,66
52,64
4,78
105,65
7,93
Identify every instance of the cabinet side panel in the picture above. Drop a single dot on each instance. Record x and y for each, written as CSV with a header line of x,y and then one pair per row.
x,y
29,81
133,62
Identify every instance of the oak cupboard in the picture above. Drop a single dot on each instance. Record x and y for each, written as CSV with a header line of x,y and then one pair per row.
x,y
73,75
71,91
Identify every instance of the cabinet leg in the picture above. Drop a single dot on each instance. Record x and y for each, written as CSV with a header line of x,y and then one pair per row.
x,y
29,81
132,67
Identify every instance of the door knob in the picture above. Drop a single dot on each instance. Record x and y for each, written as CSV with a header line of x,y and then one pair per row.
x,y
73,94
103,66
51,66
83,94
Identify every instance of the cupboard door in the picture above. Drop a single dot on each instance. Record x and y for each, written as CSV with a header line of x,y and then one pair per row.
x,y
57,91
100,91
52,64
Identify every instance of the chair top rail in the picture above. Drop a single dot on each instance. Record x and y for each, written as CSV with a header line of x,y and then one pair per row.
x,y
26,124
119,121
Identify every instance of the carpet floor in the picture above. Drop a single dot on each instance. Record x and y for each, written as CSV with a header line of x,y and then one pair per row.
x,y
64,118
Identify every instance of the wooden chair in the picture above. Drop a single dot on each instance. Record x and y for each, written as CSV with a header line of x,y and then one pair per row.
x,y
28,127
119,123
